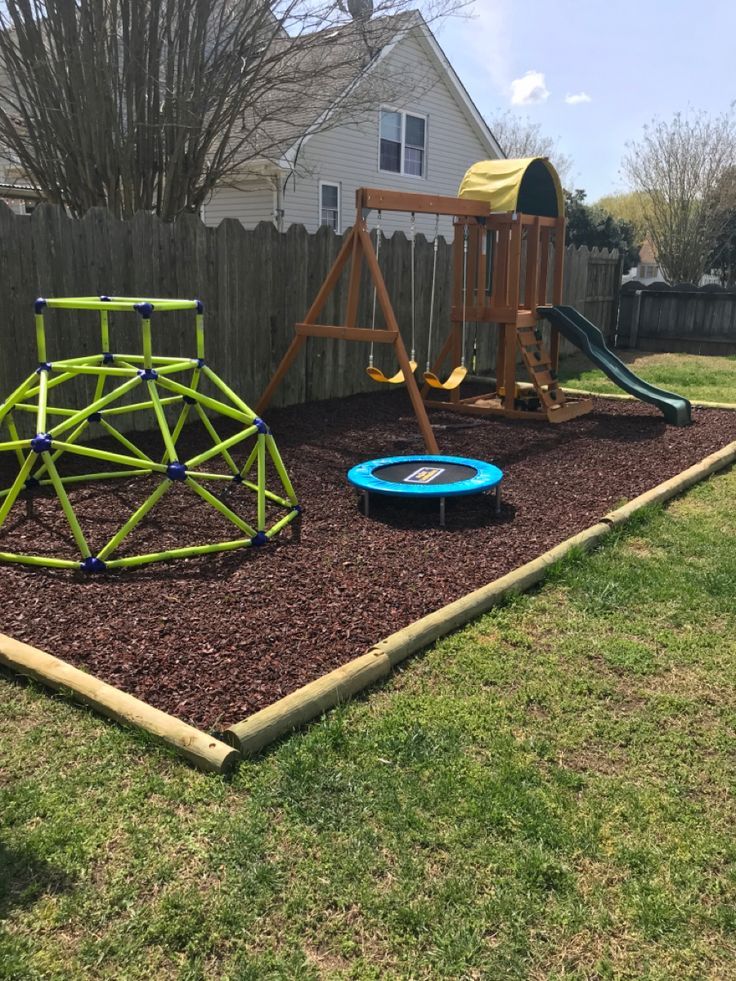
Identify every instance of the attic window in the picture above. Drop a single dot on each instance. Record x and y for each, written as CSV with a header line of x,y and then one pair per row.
x,y
402,143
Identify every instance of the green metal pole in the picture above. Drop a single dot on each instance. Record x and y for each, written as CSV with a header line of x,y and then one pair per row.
x,y
16,487
219,383
261,497
134,519
215,436
67,506
21,392
161,419
98,454
95,406
112,431
210,403
225,445
43,394
178,553
15,437
280,468
39,560
40,338
199,328
219,506
57,453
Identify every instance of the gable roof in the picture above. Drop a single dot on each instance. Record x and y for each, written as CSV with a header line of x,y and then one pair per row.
x,y
353,53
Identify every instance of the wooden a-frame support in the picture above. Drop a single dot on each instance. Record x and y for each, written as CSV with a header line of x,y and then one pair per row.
x,y
356,247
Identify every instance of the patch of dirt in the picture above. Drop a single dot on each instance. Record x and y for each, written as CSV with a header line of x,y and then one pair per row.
x,y
214,639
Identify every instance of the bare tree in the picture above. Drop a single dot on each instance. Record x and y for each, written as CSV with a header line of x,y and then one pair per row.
x,y
683,171
520,137
149,104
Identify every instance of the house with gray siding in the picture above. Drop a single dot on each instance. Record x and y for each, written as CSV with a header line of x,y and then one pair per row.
x,y
418,131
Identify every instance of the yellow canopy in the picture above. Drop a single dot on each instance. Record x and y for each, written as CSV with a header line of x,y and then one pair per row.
x,y
530,185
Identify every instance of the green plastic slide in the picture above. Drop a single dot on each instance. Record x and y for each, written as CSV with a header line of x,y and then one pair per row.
x,y
589,339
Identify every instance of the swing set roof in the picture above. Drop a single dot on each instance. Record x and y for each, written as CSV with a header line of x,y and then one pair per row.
x,y
530,185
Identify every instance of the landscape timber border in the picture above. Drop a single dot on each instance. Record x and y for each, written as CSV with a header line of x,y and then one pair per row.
x,y
221,753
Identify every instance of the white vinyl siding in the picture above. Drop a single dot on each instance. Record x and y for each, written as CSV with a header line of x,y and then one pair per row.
x,y
350,153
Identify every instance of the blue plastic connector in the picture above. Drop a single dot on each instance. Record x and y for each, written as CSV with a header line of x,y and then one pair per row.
x,y
104,299
39,304
95,417
260,538
176,471
188,400
32,482
148,374
108,357
200,306
200,362
260,425
297,508
92,564
144,309
237,478
43,366
41,443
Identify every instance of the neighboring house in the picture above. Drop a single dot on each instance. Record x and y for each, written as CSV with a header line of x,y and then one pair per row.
x,y
421,141
649,271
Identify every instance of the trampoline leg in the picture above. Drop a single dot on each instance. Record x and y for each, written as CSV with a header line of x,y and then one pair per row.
x,y
442,512
366,503
497,498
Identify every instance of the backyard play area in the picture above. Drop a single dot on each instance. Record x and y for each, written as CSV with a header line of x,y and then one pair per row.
x,y
231,625
546,792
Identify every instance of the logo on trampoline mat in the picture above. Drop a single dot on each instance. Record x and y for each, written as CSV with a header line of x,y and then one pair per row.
x,y
424,475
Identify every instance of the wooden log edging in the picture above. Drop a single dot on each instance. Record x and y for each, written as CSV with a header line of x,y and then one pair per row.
x,y
291,712
201,749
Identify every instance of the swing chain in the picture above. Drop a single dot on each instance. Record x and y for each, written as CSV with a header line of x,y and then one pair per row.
x,y
435,248
465,290
378,253
413,235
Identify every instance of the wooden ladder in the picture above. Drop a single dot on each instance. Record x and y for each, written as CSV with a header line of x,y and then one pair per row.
x,y
539,366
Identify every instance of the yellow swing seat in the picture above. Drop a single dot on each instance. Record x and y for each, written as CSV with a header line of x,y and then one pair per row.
x,y
456,377
378,376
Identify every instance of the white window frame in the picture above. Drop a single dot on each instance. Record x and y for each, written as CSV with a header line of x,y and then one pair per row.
x,y
338,230
404,113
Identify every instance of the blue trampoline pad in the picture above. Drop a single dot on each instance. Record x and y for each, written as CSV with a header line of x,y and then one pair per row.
x,y
425,476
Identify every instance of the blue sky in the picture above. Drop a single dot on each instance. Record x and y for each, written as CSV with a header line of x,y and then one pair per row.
x,y
632,62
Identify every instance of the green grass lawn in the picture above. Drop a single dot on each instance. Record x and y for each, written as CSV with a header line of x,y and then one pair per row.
x,y
545,794
702,378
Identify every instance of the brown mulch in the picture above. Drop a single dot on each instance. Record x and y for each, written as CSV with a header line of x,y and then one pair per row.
x,y
213,639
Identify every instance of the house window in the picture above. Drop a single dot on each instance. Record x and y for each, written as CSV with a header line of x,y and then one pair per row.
x,y
329,205
402,143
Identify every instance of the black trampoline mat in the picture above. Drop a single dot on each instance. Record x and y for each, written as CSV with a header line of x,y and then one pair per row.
x,y
424,474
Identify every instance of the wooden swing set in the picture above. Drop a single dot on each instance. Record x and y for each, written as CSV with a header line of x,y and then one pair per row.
x,y
506,264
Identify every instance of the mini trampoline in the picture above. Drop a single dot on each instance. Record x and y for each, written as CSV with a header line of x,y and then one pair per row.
x,y
423,477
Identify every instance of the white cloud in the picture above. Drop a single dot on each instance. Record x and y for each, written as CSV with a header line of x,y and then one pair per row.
x,y
577,98
531,88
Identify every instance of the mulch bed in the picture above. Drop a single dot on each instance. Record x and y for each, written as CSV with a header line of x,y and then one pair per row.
x,y
213,639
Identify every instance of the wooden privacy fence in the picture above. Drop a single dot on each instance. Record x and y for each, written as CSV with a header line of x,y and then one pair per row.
x,y
682,318
254,284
